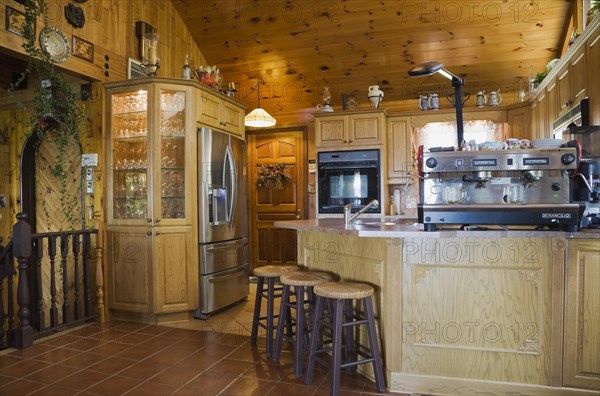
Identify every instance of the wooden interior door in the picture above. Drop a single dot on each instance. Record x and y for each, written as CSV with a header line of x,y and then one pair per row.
x,y
268,244
56,211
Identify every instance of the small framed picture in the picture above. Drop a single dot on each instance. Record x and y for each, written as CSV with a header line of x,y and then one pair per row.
x,y
83,49
15,20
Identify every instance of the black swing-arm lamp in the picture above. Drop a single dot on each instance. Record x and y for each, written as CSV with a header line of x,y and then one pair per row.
x,y
432,67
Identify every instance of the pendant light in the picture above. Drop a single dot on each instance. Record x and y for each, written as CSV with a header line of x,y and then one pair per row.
x,y
258,117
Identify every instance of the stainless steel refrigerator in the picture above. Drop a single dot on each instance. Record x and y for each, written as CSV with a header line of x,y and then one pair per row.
x,y
222,221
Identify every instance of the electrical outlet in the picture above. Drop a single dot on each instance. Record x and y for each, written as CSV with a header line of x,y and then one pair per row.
x,y
411,203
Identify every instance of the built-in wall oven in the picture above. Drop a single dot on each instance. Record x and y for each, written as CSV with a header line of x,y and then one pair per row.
x,y
348,177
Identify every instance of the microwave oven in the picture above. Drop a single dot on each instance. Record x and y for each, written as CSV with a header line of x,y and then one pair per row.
x,y
348,177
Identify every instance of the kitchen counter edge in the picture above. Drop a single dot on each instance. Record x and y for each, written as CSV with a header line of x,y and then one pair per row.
x,y
337,226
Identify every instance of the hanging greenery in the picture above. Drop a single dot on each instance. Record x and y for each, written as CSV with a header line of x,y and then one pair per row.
x,y
272,176
54,111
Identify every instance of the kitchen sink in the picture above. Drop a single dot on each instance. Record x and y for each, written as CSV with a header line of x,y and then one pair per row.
x,y
376,223
383,222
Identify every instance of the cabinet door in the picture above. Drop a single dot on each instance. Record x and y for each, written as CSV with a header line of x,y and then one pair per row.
x,y
129,156
593,77
174,277
563,85
171,171
210,110
399,148
519,122
571,81
331,131
130,266
366,129
535,120
232,119
578,76
582,315
544,131
551,104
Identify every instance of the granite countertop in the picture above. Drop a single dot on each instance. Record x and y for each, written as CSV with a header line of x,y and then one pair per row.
x,y
407,228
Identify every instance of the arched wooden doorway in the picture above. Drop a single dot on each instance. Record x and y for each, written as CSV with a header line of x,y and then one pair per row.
x,y
45,204
41,197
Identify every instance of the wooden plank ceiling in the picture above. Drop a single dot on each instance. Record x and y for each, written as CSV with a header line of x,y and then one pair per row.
x,y
295,48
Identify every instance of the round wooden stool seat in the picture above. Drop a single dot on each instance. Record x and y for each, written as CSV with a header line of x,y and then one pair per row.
x,y
271,271
344,290
305,278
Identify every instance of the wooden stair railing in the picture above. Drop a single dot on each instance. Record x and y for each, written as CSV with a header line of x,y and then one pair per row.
x,y
68,253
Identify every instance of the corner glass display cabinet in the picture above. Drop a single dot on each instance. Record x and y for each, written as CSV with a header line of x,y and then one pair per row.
x,y
148,125
152,265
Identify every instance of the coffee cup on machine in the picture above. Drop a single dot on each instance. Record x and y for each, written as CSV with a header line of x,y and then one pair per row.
x,y
525,143
455,193
513,143
516,194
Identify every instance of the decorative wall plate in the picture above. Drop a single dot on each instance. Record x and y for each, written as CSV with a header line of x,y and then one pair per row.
x,y
55,44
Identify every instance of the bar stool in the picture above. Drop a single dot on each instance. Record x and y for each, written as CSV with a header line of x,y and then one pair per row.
x,y
341,295
301,282
271,273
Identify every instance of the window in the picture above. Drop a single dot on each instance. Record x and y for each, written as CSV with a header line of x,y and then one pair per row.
x,y
436,134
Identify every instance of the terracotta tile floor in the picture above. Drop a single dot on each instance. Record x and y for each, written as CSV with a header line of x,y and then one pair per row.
x,y
212,357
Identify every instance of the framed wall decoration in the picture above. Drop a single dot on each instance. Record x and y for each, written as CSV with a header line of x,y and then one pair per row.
x,y
83,49
15,20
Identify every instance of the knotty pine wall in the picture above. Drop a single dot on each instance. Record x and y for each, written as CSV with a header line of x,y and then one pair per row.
x,y
110,27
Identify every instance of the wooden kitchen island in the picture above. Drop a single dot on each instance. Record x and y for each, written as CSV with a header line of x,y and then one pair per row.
x,y
465,312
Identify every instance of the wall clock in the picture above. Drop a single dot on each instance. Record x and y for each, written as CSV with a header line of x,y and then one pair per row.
x,y
55,44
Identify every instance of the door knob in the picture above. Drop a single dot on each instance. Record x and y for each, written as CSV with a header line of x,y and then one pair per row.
x,y
297,217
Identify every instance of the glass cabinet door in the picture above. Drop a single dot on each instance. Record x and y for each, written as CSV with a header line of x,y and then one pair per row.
x,y
172,153
129,134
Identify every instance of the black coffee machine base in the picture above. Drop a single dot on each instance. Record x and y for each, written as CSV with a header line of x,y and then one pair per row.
x,y
565,217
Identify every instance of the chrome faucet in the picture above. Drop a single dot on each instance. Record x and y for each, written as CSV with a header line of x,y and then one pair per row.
x,y
348,216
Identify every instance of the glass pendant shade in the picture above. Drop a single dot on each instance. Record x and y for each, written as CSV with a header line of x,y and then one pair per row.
x,y
259,118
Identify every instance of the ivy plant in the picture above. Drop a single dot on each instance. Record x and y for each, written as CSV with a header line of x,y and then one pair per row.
x,y
54,109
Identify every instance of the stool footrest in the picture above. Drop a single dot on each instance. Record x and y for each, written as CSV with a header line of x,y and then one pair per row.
x,y
356,363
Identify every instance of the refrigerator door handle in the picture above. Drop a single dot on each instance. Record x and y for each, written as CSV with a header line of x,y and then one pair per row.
x,y
229,166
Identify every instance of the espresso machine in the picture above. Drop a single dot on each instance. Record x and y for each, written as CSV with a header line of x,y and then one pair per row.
x,y
516,187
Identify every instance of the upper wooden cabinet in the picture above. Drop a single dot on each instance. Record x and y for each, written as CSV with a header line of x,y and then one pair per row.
x,y
519,121
571,81
573,78
353,129
399,149
217,111
593,76
541,126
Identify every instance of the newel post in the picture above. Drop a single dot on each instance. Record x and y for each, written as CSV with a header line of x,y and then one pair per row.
x,y
22,251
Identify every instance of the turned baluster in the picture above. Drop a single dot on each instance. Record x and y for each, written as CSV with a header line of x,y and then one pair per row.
x,y
22,251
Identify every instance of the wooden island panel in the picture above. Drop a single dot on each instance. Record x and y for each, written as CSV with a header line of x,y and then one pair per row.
x,y
468,301
582,316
